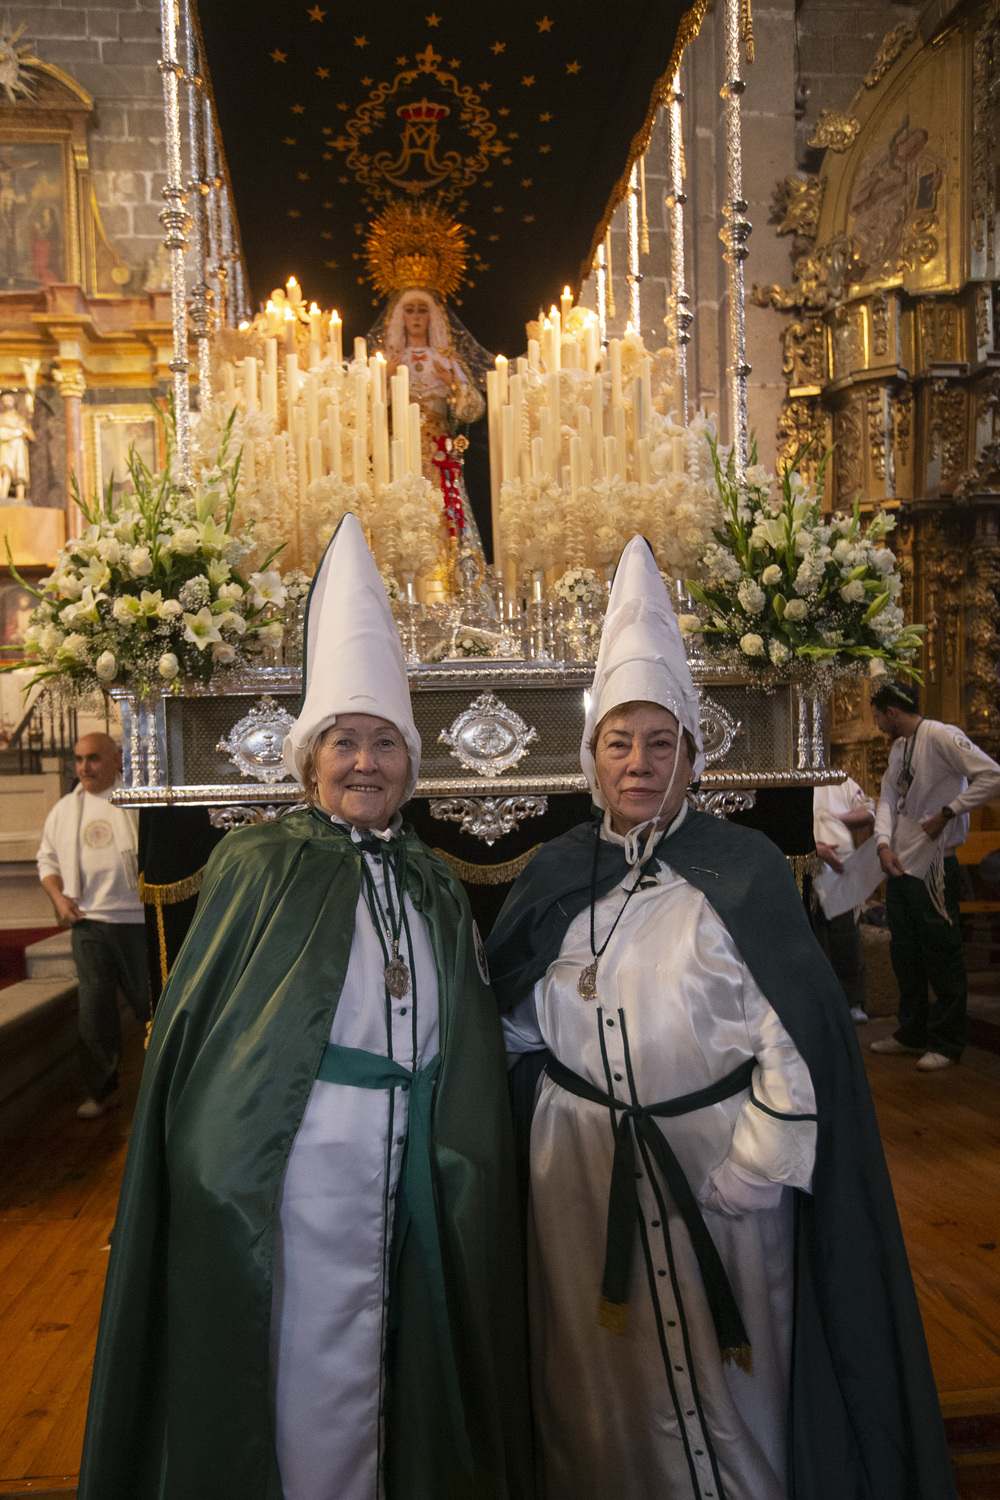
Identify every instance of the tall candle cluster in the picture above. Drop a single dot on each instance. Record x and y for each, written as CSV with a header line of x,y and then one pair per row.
x,y
320,435
570,423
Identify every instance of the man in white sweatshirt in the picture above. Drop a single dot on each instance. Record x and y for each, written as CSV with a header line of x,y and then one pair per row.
x,y
935,777
88,864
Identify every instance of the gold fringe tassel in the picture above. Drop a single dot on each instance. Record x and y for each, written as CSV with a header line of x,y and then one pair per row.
x,y
611,280
740,1356
746,27
168,895
613,1316
803,865
487,874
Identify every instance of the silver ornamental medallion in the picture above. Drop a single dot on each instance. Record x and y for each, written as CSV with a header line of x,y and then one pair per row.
x,y
586,985
397,978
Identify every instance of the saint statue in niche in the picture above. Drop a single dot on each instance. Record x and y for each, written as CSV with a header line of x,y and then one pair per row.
x,y
15,434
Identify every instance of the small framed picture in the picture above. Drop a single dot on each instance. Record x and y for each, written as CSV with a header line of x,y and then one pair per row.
x,y
16,605
114,433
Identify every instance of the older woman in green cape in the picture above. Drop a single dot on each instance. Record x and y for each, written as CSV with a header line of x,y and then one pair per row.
x,y
314,1291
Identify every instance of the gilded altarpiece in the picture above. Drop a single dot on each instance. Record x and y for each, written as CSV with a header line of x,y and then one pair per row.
x,y
893,354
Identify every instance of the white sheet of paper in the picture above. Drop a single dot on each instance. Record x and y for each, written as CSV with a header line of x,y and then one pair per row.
x,y
920,850
840,893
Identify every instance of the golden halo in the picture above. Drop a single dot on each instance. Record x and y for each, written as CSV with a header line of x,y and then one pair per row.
x,y
416,247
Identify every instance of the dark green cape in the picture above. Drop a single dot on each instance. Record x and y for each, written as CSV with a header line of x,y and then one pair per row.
x,y
179,1404
864,1419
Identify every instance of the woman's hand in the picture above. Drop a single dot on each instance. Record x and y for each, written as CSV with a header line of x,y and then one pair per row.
x,y
443,370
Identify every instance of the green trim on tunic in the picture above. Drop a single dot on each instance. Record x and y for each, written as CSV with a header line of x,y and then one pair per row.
x,y
180,1402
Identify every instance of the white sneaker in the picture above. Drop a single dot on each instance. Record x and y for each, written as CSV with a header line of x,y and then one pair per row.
x,y
91,1109
858,1015
932,1061
890,1044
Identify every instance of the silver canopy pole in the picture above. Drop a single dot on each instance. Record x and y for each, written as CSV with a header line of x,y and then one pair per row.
x,y
201,296
679,318
734,235
176,222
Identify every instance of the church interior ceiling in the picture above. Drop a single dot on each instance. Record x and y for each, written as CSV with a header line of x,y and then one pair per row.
x,y
519,122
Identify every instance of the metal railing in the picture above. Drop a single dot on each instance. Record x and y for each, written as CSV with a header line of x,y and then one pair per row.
x,y
49,729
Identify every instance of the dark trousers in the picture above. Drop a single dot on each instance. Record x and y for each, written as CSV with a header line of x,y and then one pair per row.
x,y
109,956
927,950
840,939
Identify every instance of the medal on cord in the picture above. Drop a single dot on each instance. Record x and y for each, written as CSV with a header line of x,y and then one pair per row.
x,y
586,985
389,926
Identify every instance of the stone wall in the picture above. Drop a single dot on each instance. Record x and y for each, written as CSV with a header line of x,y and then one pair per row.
x,y
113,50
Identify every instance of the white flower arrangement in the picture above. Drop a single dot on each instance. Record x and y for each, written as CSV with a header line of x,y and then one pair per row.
x,y
581,586
783,588
151,592
466,645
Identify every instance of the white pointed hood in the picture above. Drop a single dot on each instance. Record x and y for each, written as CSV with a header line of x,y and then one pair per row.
x,y
352,660
642,656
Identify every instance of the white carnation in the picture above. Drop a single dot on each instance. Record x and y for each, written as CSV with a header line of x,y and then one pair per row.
x,y
752,645
168,666
853,592
796,609
771,575
106,666
751,596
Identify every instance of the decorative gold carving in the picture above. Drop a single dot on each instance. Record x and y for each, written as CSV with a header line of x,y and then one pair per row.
x,y
985,69
847,337
901,417
984,306
876,432
801,419
848,438
845,706
893,45
802,360
835,130
796,203
808,288
982,639
947,427
944,562
878,313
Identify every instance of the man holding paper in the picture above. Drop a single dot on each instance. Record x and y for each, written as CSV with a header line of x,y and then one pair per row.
x,y
837,812
935,777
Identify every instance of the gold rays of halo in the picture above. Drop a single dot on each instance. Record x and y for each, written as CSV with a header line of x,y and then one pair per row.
x,y
416,246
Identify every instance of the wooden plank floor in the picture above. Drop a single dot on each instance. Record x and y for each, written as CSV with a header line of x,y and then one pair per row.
x,y
57,1201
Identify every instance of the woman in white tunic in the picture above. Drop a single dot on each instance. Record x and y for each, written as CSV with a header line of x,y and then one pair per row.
x,y
674,1138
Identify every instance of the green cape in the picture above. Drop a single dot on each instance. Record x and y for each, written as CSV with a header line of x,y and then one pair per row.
x,y
179,1404
864,1420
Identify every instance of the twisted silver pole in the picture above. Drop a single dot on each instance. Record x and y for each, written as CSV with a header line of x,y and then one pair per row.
x,y
176,221
734,235
634,277
678,318
201,292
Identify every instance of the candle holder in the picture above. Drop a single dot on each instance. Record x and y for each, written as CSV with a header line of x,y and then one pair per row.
x,y
411,647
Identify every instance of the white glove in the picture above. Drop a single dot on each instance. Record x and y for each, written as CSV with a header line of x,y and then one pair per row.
x,y
734,1190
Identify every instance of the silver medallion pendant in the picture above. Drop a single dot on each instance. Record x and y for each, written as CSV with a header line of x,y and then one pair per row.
x,y
397,978
586,985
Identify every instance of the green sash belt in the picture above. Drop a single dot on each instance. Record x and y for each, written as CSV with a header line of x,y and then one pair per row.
x,y
624,1207
416,1202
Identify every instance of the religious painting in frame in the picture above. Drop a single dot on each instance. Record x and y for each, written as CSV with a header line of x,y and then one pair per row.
x,y
112,433
32,214
16,605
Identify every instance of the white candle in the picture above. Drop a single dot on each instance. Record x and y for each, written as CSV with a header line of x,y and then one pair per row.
x,y
249,381
610,457
552,393
380,447
315,354
642,460
646,370
493,406
538,459
315,324
413,445
228,383
398,457
335,439
621,441
502,374
597,419
615,354
570,356
638,408
270,391
517,406
312,405
302,461
361,351
248,464
508,446
359,471
679,457
534,354
359,391
575,466
293,291
291,389
335,336
281,460
546,431
315,460
590,347
583,427
566,303
289,330
522,365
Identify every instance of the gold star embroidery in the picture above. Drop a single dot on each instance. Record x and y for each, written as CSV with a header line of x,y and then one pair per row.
x,y
529,218
327,205
456,62
573,67
503,111
322,72
498,208
298,109
303,176
544,24
361,41
433,20
525,181
293,213
315,14
487,184
331,265
328,156
366,83
506,161
497,48
339,179
492,237
401,62
545,118
513,135
343,107
279,56
484,88
325,234
528,80
543,149
328,130
289,140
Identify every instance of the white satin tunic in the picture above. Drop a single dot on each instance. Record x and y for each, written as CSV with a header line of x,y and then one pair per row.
x,y
331,1269
653,1414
